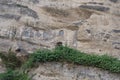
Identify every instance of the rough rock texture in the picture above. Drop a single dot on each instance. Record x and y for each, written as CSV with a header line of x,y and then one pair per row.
x,y
64,71
92,26
2,69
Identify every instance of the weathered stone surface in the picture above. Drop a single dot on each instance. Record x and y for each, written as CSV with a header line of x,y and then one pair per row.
x,y
27,25
87,25
64,71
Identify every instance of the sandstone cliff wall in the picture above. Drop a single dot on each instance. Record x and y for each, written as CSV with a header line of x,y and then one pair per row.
x,y
64,71
92,26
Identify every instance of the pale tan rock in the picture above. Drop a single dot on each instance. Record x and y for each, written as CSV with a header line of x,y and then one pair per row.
x,y
92,26
64,71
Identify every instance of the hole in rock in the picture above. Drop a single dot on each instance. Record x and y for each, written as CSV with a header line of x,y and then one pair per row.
x,y
61,33
59,44
18,50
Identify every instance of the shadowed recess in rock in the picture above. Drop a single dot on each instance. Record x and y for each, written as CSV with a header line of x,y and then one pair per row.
x,y
19,8
98,8
114,1
34,1
56,12
116,31
10,16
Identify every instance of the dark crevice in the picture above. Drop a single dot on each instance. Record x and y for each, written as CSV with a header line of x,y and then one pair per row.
x,y
25,10
98,8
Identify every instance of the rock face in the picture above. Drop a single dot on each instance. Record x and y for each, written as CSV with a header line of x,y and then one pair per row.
x,y
63,71
2,69
92,26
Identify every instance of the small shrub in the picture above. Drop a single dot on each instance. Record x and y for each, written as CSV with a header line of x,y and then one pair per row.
x,y
14,75
10,60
